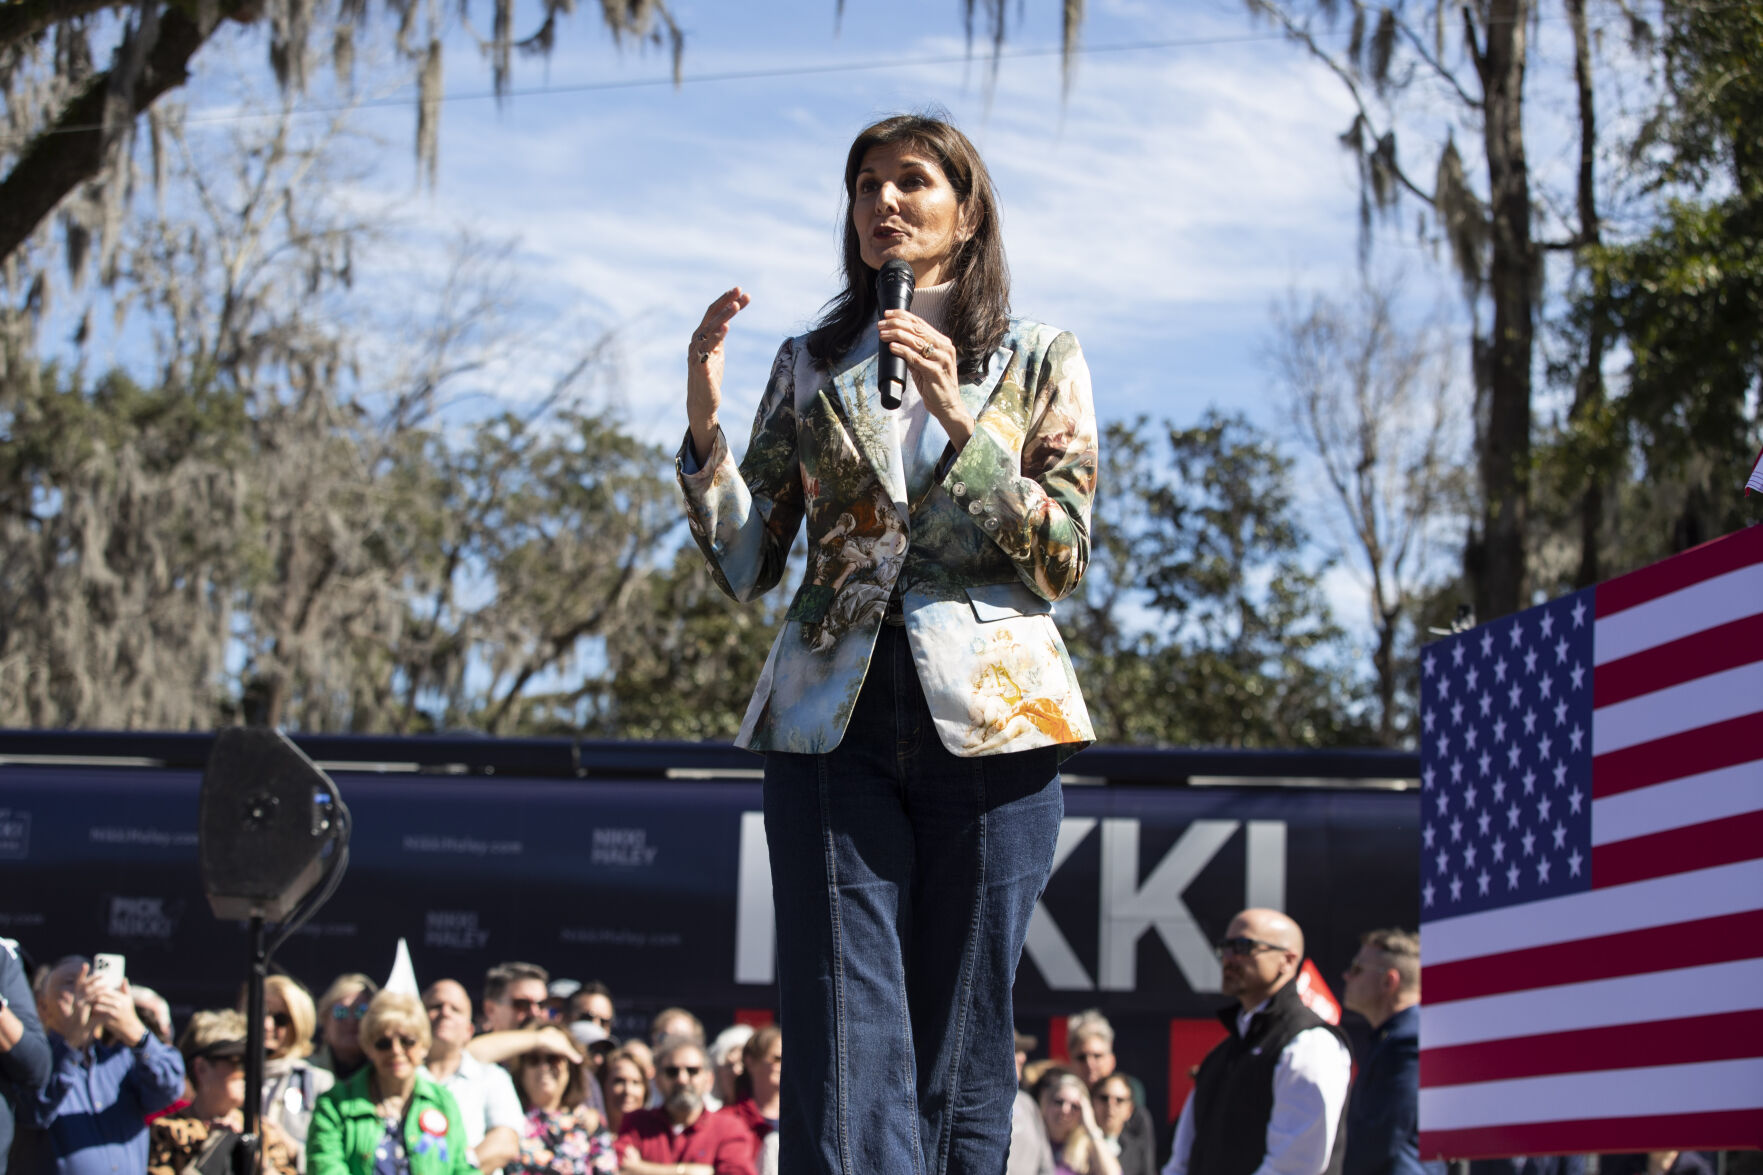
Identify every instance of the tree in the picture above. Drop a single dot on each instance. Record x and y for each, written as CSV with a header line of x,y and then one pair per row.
x,y
1399,61
1686,295
1239,647
1371,399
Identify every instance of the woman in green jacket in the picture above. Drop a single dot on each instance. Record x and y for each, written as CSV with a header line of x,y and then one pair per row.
x,y
388,1119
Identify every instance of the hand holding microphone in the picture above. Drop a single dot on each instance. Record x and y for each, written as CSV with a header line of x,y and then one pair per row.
x,y
910,344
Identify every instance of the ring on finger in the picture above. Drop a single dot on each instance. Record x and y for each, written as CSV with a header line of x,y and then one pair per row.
x,y
926,349
703,356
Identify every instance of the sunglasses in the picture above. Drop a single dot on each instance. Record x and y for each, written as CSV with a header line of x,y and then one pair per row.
x,y
603,1021
1243,947
345,1012
384,1044
678,1071
281,1019
528,1007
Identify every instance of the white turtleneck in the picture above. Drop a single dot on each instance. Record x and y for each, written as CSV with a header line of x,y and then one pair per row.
x,y
922,439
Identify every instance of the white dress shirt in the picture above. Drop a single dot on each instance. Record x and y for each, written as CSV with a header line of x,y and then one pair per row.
x,y
1309,1091
486,1097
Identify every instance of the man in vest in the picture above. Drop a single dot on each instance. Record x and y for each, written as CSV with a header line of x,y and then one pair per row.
x,y
1270,1098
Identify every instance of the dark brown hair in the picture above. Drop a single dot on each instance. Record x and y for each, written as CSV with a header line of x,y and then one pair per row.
x,y
979,303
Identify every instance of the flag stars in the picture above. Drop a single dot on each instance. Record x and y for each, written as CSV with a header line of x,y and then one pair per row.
x,y
1457,654
1499,790
1500,669
1483,820
1456,829
1456,889
1548,625
1426,665
1530,781
1499,730
1530,661
1560,835
1486,702
1486,760
1427,893
1512,755
1481,882
1513,694
1560,650
1543,870
1517,636
1578,675
1544,746
1472,677
1428,834
1487,642
1543,806
1575,798
1560,774
1427,717
1512,876
1469,737
1456,771
1469,795
1530,722
1499,848
1545,685
1530,843
1443,861
1578,613
1576,736
1469,855
1457,713
1443,743
1512,816
1561,712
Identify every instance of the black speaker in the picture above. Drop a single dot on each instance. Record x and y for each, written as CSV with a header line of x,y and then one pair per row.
x,y
269,819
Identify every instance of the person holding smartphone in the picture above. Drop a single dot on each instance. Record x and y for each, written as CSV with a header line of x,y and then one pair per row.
x,y
107,1072
24,1047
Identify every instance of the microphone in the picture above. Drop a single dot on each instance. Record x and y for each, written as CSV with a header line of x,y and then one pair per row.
x,y
893,290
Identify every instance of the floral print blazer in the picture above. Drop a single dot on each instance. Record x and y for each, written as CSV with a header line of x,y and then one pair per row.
x,y
978,560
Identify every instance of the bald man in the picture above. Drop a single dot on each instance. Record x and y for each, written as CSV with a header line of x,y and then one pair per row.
x,y
494,1120
1270,1099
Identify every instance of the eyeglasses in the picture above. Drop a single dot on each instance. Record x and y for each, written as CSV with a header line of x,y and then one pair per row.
x,y
603,1021
678,1071
281,1019
1243,946
345,1012
384,1044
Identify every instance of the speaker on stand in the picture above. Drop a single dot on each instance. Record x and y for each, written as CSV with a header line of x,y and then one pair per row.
x,y
273,837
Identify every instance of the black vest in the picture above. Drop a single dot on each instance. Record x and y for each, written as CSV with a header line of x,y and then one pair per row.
x,y
1233,1093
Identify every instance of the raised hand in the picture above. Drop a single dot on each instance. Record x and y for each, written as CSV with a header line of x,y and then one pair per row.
x,y
704,360
113,1009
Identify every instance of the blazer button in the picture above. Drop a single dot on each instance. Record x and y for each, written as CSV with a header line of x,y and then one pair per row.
x,y
991,524
974,507
960,487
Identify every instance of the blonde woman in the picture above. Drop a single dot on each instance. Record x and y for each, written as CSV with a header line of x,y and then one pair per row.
x,y
1078,1148
388,1119
340,1010
291,1083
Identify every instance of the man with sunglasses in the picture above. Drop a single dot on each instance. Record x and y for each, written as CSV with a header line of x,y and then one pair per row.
x,y
682,1137
513,994
1270,1099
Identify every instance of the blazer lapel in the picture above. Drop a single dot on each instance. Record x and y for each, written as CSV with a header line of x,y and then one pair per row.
x,y
978,395
871,425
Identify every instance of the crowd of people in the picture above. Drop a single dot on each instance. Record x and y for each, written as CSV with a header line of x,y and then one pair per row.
x,y
532,1080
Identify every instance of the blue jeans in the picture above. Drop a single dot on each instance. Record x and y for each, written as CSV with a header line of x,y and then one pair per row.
x,y
904,878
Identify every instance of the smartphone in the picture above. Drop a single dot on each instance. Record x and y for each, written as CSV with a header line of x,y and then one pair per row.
x,y
108,969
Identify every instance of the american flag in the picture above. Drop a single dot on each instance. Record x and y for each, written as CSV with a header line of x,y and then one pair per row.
x,y
1755,481
1592,868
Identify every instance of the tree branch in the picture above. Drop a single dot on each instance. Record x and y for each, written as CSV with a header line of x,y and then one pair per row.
x,y
71,151
1438,67
20,20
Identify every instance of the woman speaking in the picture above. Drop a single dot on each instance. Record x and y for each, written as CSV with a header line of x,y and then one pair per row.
x,y
914,708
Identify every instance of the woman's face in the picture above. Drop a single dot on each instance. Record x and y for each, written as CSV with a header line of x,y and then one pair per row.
x,y
766,1071
1113,1102
904,209
278,1028
396,1055
625,1087
1062,1110
342,1029
543,1078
